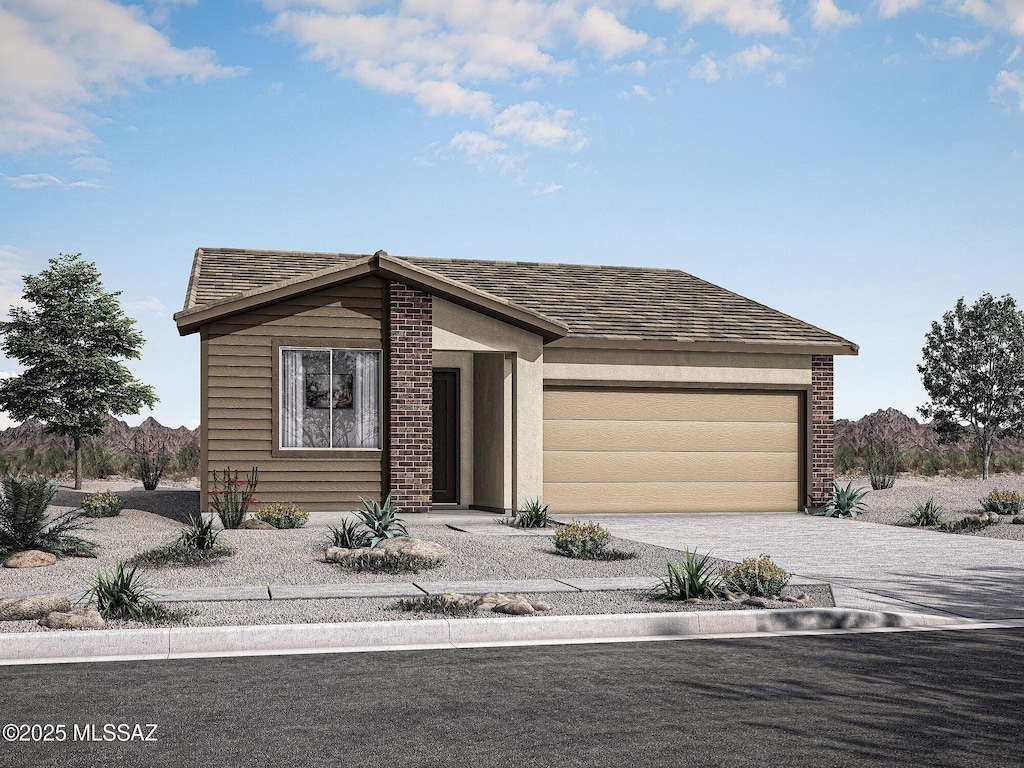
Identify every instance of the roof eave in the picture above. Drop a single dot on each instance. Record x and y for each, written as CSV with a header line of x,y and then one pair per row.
x,y
840,347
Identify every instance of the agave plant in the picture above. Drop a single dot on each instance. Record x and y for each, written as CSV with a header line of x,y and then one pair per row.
x,y
844,502
119,595
532,515
198,534
381,520
928,513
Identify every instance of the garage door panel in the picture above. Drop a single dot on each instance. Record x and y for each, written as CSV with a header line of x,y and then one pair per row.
x,y
568,498
670,406
740,466
594,435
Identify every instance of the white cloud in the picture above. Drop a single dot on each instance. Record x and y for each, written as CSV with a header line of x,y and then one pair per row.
x,y
39,180
826,16
893,60
637,91
12,268
753,59
887,9
547,189
705,69
743,16
150,306
1002,14
537,125
476,144
1009,84
955,47
1013,56
602,29
90,163
59,60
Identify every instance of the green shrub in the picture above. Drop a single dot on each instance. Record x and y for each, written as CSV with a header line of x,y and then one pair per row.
x,y
434,604
282,515
57,461
532,514
847,460
382,521
350,535
96,461
187,459
388,562
928,513
230,499
119,595
105,504
582,540
692,577
758,577
1001,502
25,524
844,502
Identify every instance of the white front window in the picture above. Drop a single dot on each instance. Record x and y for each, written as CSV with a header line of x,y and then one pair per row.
x,y
330,398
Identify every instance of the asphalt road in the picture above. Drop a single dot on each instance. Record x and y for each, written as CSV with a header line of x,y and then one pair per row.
x,y
901,699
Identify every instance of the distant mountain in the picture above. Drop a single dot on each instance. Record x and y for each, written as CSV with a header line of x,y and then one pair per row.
x,y
120,438
909,433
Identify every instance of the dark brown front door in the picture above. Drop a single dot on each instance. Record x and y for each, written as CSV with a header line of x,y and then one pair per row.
x,y
446,436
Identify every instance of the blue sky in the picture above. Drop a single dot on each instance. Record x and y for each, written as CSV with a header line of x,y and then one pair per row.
x,y
857,165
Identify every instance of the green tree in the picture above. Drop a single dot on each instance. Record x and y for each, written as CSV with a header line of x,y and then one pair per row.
x,y
69,341
973,371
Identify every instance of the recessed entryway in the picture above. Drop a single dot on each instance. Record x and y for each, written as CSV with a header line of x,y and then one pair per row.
x,y
446,436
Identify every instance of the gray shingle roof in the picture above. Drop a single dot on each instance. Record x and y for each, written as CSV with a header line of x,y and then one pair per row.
x,y
597,302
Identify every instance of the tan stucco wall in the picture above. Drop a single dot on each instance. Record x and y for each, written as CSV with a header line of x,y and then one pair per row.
x,y
564,363
459,329
492,403
463,362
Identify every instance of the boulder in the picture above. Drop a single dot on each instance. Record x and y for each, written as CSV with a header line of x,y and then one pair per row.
x,y
410,547
1018,520
693,600
30,558
342,555
515,607
756,602
540,605
79,618
33,607
254,524
491,599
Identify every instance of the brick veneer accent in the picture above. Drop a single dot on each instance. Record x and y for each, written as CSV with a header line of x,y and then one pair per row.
x,y
410,344
822,429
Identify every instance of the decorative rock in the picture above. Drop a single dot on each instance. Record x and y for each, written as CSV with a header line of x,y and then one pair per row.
x,y
1018,520
410,547
540,605
694,600
30,558
255,524
33,606
801,598
756,602
516,607
79,618
491,599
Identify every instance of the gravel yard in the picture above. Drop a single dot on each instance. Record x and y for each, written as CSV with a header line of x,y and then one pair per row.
x,y
957,497
283,557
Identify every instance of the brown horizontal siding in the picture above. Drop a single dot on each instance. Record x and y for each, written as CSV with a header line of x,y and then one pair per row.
x,y
238,413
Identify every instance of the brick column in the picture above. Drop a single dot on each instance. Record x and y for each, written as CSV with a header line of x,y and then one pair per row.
x,y
822,429
410,343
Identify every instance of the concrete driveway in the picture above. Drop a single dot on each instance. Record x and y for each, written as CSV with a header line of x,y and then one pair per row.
x,y
871,566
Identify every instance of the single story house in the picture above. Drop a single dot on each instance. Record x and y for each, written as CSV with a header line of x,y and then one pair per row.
x,y
485,384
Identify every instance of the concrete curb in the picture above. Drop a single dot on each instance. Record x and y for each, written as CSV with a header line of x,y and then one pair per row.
x,y
350,637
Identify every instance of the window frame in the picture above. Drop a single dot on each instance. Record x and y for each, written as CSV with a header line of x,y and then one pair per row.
x,y
318,452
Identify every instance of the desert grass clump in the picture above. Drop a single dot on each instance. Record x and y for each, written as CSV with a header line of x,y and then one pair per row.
x,y
119,594
532,514
349,535
926,514
755,576
388,562
106,504
25,524
196,545
435,604
693,577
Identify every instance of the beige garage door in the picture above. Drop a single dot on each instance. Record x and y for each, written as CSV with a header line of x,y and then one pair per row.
x,y
671,451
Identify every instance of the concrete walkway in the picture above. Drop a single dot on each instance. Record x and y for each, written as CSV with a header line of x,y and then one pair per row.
x,y
871,566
